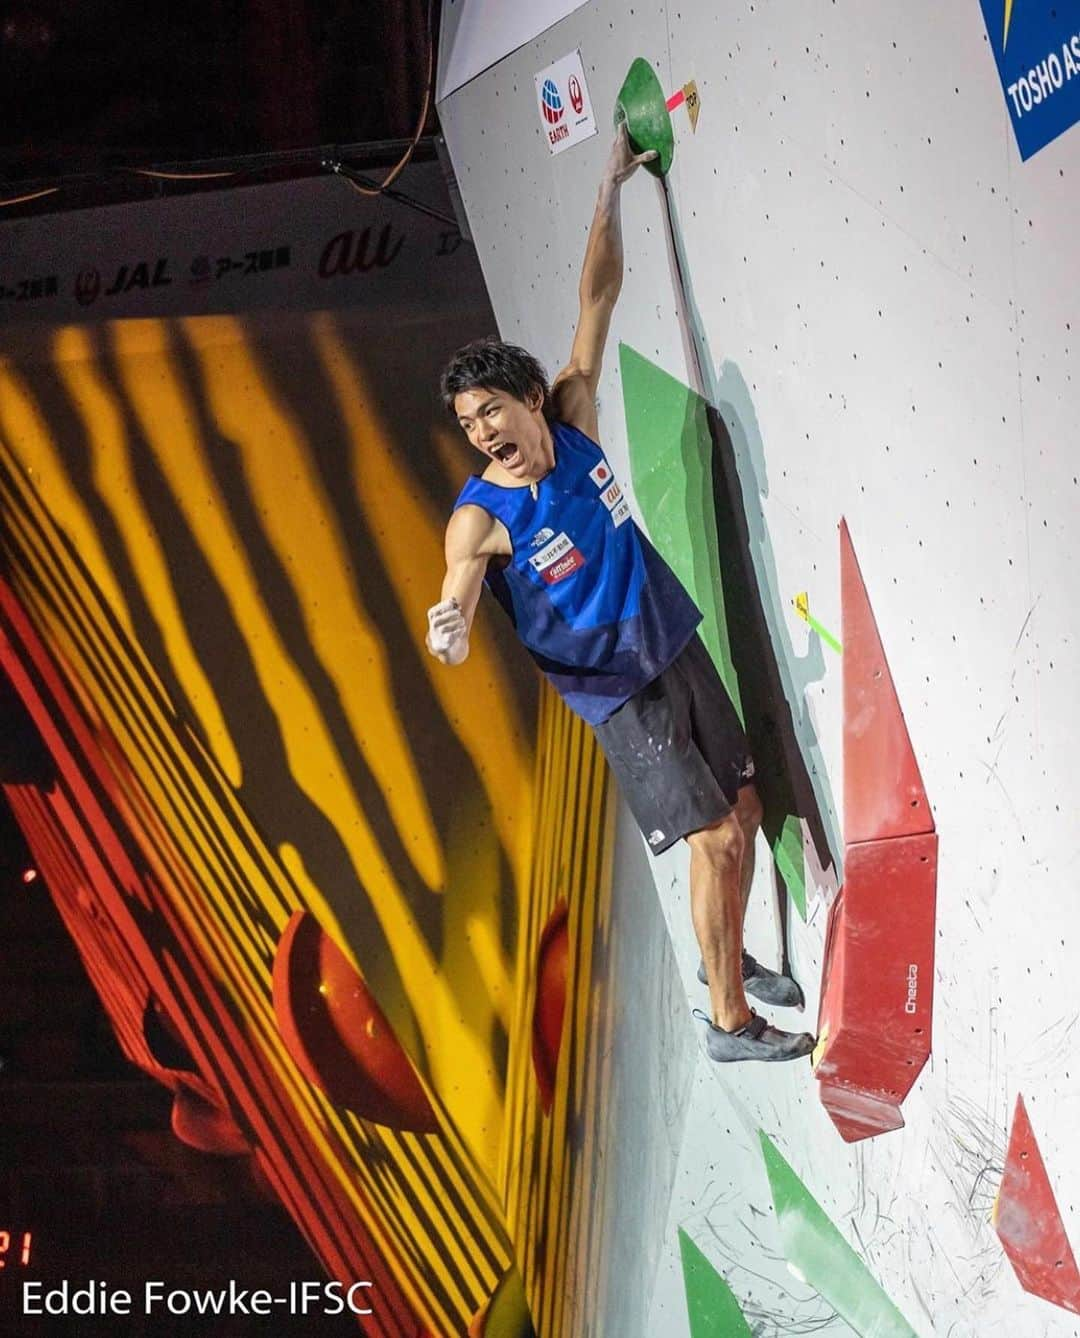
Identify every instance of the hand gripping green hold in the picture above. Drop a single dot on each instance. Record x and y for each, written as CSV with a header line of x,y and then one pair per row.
x,y
642,105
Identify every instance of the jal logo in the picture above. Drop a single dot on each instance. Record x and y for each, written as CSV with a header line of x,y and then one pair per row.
x,y
140,275
87,286
577,98
551,102
356,252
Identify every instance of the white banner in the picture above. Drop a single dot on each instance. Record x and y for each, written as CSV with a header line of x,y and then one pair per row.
x,y
303,245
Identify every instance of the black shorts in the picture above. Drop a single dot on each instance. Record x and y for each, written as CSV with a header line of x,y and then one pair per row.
x,y
678,750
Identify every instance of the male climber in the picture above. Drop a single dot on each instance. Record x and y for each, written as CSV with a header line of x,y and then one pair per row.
x,y
547,528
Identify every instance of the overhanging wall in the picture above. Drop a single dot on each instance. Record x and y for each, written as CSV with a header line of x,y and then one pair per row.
x,y
883,298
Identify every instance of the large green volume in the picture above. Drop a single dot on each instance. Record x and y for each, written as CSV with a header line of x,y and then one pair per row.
x,y
822,1257
710,1302
671,470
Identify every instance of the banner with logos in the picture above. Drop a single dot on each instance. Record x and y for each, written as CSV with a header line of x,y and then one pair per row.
x,y
1037,49
310,244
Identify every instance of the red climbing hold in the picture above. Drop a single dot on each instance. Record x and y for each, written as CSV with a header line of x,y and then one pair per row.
x,y
883,789
337,1033
1028,1222
874,1023
878,984
552,957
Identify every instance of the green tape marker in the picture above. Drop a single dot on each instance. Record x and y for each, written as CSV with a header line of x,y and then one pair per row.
x,y
802,608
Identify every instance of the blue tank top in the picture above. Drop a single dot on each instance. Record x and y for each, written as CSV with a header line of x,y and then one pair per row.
x,y
595,604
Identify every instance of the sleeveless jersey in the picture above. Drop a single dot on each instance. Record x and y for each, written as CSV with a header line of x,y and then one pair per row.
x,y
595,604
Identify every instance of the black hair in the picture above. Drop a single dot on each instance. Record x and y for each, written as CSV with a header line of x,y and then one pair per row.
x,y
490,364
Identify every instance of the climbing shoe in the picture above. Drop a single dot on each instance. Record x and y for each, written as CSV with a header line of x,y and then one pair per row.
x,y
756,1040
768,986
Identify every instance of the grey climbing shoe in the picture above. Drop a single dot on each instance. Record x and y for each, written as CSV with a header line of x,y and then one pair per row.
x,y
757,1040
768,986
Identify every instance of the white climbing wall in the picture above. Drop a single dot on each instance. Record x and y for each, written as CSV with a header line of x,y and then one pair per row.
x,y
889,296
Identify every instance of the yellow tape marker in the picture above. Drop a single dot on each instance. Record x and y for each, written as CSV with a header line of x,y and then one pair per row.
x,y
819,1048
693,103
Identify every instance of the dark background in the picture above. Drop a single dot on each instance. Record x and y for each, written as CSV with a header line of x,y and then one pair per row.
x,y
100,87
90,1165
89,91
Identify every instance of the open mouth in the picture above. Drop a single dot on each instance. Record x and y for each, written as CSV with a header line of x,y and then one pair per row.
x,y
506,453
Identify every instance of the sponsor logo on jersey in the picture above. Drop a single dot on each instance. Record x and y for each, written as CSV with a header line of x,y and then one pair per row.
x,y
562,543
541,537
610,493
558,560
563,567
611,496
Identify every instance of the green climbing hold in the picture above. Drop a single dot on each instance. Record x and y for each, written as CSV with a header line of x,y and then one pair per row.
x,y
710,1302
671,470
642,105
822,1258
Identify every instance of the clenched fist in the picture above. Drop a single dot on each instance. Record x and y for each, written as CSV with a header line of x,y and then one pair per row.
x,y
448,634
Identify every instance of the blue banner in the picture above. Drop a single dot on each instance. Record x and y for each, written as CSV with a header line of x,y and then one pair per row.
x,y
1037,48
